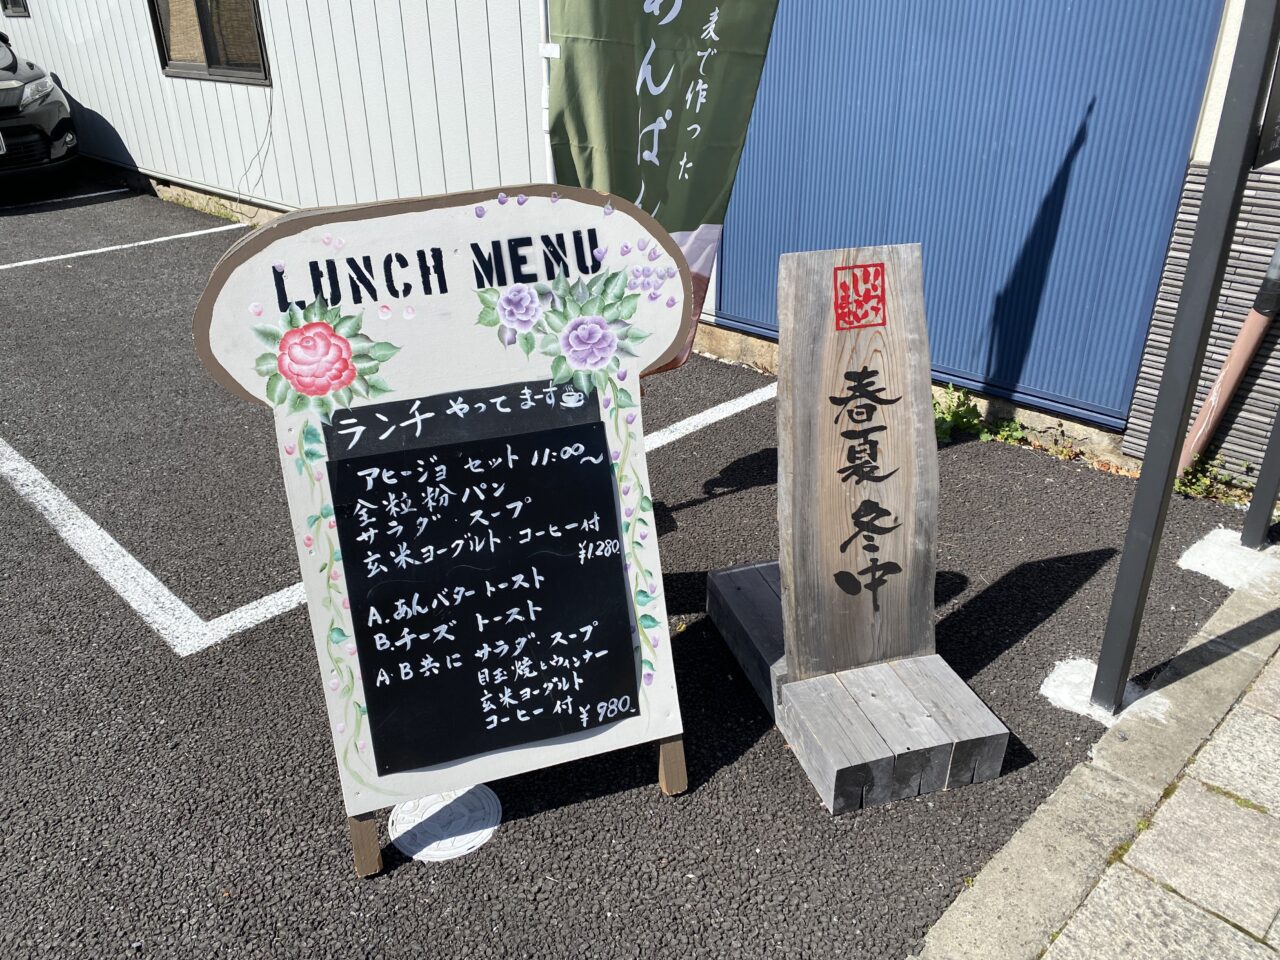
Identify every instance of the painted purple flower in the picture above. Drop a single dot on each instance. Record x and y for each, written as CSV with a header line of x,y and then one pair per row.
x,y
518,307
588,343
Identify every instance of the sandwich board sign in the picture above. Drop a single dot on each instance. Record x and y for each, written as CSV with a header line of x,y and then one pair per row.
x,y
837,636
458,419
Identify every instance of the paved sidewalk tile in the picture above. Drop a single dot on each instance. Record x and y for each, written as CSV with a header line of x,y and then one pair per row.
x,y
1244,757
1215,853
1127,917
1265,695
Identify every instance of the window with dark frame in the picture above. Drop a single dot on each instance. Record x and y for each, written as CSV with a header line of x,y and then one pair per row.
x,y
210,39
15,8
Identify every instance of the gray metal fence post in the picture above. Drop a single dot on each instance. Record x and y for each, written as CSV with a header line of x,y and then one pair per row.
x,y
1257,521
1233,152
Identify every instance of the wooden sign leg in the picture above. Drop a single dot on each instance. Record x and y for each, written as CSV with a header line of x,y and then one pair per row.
x,y
366,851
672,776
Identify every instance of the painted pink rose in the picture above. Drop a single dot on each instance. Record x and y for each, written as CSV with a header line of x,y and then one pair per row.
x,y
588,343
315,360
518,307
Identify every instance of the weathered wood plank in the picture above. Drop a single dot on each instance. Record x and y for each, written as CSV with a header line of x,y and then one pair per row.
x,y
834,741
673,778
748,614
979,736
922,749
366,852
844,608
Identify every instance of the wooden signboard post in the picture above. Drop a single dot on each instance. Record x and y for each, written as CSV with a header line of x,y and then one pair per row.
x,y
454,382
837,637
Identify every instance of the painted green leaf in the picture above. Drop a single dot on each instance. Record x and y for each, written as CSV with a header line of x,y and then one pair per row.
x,y
644,597
268,335
326,510
527,343
359,344
549,341
560,286
337,556
582,380
648,664
312,454
560,371
294,317
625,400
555,320
488,317
581,291
383,350
488,297
311,434
610,311
313,520
360,387
593,307
616,287
365,365
636,335
377,385
627,306
626,526
600,379
544,289
646,503
325,407
342,398
265,365
315,310
332,316
299,402
572,308
615,364
626,349
278,389
348,326
596,283
298,462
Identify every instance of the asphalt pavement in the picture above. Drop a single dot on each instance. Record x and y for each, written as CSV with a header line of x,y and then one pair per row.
x,y
189,807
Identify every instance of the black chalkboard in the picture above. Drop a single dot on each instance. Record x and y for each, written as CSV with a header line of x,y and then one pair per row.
x,y
487,587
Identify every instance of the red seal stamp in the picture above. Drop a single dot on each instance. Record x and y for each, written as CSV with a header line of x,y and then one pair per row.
x,y
859,296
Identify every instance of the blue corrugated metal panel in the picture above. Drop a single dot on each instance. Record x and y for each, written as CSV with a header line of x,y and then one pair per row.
x,y
1037,150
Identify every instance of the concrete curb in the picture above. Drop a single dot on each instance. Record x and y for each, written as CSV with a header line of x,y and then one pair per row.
x,y
1032,886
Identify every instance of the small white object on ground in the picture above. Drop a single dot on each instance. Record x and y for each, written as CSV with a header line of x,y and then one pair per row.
x,y
445,825
1070,683
1220,555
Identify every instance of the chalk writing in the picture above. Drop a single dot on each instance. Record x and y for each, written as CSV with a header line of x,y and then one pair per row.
x,y
488,593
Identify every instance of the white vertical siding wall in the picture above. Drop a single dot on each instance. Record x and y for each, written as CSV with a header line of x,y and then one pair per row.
x,y
369,99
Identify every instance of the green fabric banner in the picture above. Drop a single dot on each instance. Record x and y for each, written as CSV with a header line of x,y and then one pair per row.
x,y
650,100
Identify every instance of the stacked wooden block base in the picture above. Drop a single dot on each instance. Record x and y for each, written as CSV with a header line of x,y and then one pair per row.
x,y
867,735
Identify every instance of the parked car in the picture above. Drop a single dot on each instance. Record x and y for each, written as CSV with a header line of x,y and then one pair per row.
x,y
36,126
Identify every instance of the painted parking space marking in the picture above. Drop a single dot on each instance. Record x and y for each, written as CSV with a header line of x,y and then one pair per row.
x,y
184,630
52,200
123,246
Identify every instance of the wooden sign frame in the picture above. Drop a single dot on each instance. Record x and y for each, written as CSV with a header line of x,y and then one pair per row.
x,y
419,285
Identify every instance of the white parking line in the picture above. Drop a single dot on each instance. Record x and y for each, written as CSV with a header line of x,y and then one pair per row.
x,y
185,631
123,246
78,196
